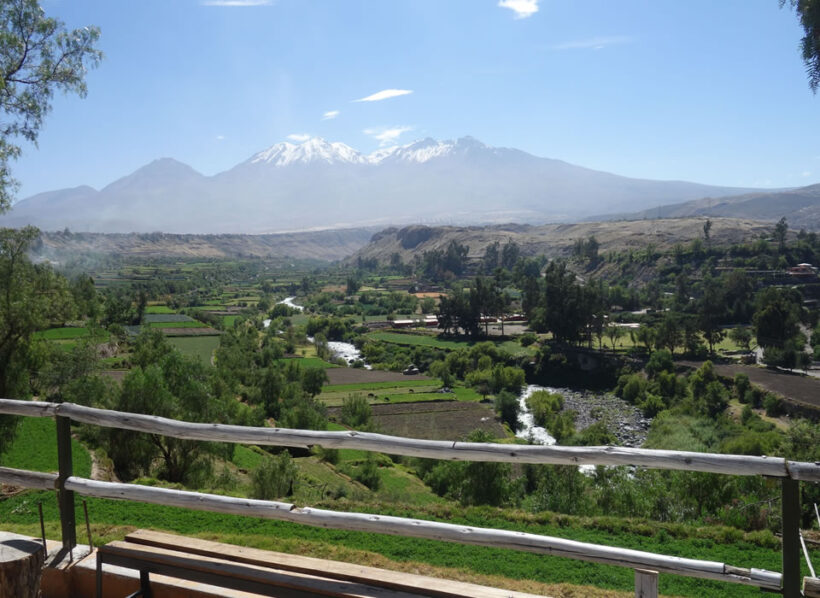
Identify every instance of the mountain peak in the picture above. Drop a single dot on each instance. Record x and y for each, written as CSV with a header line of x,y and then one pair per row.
x,y
314,149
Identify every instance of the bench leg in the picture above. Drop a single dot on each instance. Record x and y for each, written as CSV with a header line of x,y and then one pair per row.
x,y
145,584
99,575
145,587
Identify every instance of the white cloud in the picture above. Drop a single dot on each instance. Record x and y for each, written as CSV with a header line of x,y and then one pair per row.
x,y
385,94
330,115
299,137
594,43
220,137
806,173
521,8
236,2
387,136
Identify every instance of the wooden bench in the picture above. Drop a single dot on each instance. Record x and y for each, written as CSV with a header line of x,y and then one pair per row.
x,y
271,573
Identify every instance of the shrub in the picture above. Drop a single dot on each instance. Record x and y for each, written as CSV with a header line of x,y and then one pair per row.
x,y
274,478
356,412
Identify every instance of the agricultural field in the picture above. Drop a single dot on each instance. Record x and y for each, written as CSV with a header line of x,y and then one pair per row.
x,y
200,347
430,340
442,420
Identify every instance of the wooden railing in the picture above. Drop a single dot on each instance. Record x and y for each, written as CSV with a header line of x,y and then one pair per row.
x,y
791,473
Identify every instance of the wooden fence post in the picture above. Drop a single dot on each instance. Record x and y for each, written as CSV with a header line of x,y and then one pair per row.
x,y
65,497
791,538
646,583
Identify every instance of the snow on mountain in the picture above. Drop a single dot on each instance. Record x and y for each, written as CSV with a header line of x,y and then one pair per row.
x,y
315,149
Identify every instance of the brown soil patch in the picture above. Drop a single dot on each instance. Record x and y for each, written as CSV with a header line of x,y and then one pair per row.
x,y
425,295
434,420
804,390
359,376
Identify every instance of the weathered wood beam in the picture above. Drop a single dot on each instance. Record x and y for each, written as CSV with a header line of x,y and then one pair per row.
x,y
431,530
430,449
28,479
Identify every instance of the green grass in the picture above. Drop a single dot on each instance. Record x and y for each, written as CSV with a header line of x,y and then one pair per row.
x,y
308,362
70,332
380,385
159,309
20,514
418,339
426,340
228,321
247,458
35,448
202,347
190,324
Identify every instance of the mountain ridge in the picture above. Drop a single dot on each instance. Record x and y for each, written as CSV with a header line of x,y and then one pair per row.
x,y
321,184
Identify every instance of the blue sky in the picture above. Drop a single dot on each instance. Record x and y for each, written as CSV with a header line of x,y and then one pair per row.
x,y
712,91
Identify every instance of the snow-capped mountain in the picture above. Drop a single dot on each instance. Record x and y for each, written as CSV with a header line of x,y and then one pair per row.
x,y
315,149
322,184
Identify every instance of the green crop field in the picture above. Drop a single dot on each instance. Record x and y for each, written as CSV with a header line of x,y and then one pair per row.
x,y
186,324
418,339
202,347
35,448
159,309
70,332
308,362
379,385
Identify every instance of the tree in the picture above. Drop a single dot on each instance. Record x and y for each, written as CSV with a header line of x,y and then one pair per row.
x,y
780,231
32,297
809,13
38,57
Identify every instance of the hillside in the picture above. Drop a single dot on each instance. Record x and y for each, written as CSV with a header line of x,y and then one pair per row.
x,y
801,207
556,240
327,245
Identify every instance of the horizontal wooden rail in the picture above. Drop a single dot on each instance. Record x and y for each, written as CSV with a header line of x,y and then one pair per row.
x,y
431,530
28,479
431,449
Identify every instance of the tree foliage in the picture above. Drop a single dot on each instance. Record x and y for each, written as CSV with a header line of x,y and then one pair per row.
x,y
809,13
37,57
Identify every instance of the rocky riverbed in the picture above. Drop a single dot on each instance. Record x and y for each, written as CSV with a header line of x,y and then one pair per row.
x,y
622,419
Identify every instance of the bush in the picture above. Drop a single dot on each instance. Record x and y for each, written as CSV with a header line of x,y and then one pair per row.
x,y
773,405
507,407
357,413
368,474
528,339
742,385
274,478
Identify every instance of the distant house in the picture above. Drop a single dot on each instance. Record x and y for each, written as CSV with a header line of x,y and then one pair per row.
x,y
802,271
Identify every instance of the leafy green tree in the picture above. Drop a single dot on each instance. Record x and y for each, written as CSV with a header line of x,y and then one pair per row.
x,y
712,312
777,316
780,231
809,13
507,406
39,57
32,297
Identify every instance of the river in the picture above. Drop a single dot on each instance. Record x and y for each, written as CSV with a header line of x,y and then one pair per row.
x,y
286,301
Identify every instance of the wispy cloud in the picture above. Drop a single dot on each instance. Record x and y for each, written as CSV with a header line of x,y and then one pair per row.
x,y
806,173
299,137
594,43
220,137
236,2
521,8
385,94
330,115
387,136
